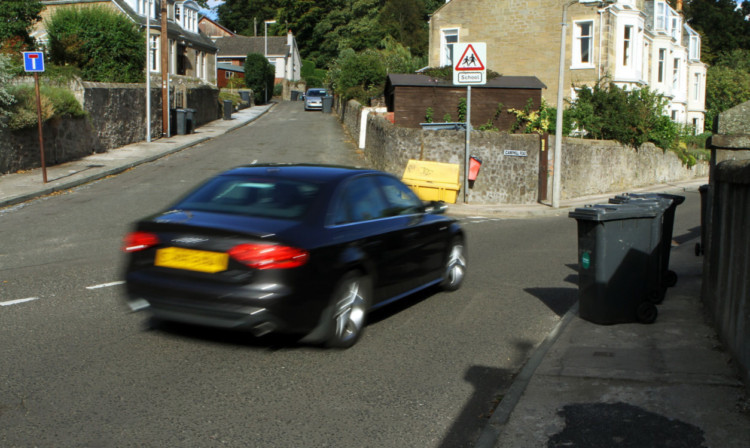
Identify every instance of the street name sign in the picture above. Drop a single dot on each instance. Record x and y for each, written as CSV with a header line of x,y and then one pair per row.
x,y
470,68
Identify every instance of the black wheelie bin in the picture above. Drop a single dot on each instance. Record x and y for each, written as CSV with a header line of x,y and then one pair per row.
x,y
616,264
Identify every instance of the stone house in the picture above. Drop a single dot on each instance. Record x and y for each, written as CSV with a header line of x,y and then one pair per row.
x,y
635,43
191,53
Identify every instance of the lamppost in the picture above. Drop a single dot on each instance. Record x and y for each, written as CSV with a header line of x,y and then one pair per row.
x,y
265,53
560,81
148,70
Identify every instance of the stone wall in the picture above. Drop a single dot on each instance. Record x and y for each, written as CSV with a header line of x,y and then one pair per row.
x,y
590,167
116,117
726,289
64,140
593,167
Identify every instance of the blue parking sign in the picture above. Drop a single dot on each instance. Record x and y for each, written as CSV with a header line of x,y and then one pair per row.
x,y
33,61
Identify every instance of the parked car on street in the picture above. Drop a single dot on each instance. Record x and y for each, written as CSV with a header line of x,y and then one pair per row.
x,y
314,99
303,249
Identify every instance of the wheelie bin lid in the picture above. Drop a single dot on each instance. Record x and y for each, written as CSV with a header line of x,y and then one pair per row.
x,y
614,212
675,198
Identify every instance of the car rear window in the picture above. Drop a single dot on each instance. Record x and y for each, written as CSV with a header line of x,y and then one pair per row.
x,y
258,197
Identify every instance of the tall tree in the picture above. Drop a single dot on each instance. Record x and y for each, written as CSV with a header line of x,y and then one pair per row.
x,y
242,16
16,17
722,25
405,21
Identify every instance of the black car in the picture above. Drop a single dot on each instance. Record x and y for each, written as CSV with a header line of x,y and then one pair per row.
x,y
303,249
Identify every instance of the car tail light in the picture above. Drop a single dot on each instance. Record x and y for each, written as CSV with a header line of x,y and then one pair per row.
x,y
269,256
137,241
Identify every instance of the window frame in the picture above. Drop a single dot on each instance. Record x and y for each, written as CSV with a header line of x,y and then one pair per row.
x,y
446,60
579,39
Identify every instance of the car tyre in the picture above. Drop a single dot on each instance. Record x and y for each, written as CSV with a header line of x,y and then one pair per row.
x,y
350,301
455,266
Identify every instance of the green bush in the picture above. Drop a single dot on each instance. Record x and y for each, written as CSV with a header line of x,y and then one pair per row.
x,y
105,45
6,99
278,89
234,97
56,103
630,117
259,76
360,76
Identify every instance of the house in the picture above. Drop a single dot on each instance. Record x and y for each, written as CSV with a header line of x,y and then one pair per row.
x,y
191,53
409,96
635,43
213,29
226,72
282,52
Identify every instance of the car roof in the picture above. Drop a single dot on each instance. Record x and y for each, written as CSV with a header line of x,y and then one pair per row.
x,y
301,172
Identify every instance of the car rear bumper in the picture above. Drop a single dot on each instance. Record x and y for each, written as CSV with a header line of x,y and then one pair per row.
x,y
240,307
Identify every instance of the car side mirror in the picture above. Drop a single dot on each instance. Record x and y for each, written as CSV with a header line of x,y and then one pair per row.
x,y
435,207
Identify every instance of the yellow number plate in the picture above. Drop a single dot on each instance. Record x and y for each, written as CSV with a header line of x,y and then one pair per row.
x,y
191,260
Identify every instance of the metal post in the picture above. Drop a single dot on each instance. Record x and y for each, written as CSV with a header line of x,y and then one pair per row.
x,y
39,120
148,71
265,53
164,71
468,144
557,167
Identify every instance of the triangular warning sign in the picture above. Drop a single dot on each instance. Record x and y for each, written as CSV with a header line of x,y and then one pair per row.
x,y
469,60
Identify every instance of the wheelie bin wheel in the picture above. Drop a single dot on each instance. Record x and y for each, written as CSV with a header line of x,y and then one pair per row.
x,y
647,312
670,279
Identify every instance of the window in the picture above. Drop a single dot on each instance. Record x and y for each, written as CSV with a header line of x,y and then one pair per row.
x,y
583,44
697,86
177,13
695,48
401,200
675,26
154,52
228,74
676,74
361,201
662,62
674,115
627,45
660,16
449,38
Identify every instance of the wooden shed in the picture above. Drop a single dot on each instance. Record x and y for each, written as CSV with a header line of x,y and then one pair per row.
x,y
409,96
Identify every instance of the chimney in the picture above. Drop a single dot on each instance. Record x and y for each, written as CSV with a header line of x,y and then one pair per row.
x,y
289,37
678,6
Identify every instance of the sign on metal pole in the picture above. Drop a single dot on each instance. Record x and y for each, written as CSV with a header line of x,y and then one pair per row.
x,y
33,62
469,70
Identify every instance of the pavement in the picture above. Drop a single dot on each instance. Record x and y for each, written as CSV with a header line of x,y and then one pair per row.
x,y
668,384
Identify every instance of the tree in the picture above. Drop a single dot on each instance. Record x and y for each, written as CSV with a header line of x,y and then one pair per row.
x,y
722,25
105,45
241,16
404,20
16,17
358,75
726,87
259,76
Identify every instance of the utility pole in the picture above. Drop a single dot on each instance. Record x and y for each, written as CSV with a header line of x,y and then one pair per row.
x,y
164,71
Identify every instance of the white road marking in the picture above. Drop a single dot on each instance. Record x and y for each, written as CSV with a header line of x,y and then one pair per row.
x,y
16,302
105,285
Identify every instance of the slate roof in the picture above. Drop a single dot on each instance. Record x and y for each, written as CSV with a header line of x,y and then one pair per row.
x,y
241,46
173,29
230,67
500,82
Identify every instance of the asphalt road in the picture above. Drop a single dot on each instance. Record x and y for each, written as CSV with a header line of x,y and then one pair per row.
x,y
79,370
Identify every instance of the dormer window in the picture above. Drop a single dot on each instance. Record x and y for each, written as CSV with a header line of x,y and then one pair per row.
x,y
660,16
